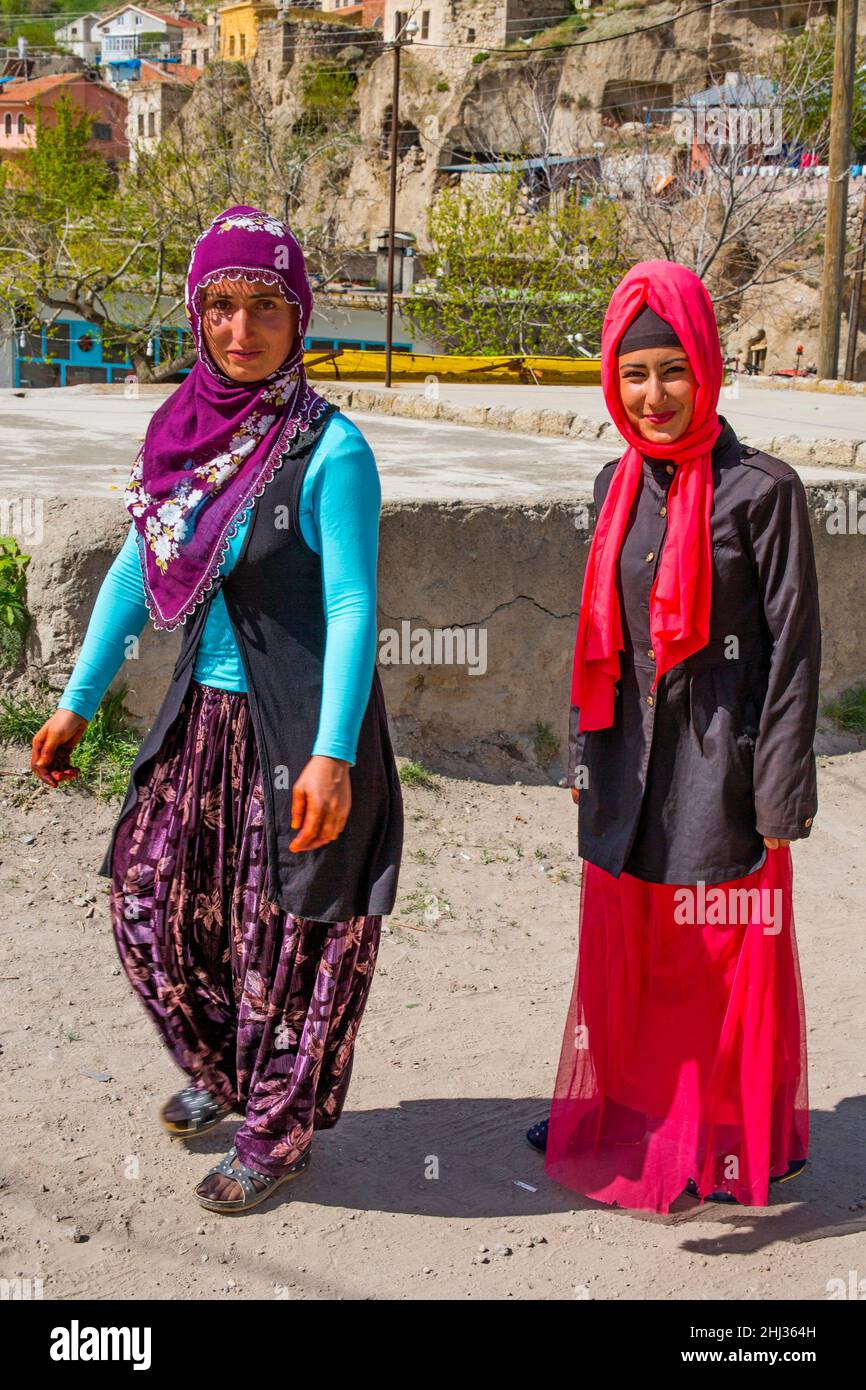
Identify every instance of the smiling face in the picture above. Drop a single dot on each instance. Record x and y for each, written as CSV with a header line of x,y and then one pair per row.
x,y
657,387
248,327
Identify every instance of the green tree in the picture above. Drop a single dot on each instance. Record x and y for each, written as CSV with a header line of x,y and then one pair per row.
x,y
61,169
804,71
515,273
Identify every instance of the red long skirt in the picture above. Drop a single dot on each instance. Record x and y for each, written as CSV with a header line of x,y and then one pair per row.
x,y
684,1053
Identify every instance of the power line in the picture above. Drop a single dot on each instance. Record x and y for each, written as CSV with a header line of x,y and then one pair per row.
x,y
615,104
704,7
372,37
708,4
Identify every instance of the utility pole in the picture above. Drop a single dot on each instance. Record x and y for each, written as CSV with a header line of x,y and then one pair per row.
x,y
856,296
408,28
837,187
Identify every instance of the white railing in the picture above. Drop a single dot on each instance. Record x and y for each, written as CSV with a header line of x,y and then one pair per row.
x,y
120,43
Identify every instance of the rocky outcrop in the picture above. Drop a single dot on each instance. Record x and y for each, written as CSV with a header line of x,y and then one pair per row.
x,y
564,100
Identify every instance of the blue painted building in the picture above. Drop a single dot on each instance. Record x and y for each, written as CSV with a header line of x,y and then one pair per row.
x,y
72,351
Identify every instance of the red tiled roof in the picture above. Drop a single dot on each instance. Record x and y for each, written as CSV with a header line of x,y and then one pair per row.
x,y
170,18
177,72
26,91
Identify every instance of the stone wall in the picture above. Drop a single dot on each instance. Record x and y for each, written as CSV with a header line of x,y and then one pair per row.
x,y
285,47
512,571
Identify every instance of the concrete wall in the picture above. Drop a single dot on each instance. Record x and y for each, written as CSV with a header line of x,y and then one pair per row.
x,y
512,570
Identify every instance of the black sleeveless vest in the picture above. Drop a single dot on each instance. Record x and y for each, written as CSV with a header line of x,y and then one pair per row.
x,y
274,600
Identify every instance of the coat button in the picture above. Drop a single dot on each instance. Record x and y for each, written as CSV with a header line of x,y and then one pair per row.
x,y
650,555
651,654
650,700
670,469
663,511
807,822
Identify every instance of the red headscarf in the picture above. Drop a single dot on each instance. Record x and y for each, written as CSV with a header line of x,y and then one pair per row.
x,y
680,595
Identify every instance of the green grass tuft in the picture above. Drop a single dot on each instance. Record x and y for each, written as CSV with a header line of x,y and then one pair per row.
x,y
546,743
414,774
848,710
105,754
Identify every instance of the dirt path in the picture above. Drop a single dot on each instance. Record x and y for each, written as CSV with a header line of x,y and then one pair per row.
x,y
458,1050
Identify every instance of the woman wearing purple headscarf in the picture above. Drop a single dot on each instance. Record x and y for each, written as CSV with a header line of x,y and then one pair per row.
x,y
259,843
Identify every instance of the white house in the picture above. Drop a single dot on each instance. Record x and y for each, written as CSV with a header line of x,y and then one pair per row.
x,y
132,30
77,36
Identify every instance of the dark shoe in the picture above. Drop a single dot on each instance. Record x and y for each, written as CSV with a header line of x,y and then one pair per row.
x,y
795,1168
793,1171
537,1135
201,1111
692,1190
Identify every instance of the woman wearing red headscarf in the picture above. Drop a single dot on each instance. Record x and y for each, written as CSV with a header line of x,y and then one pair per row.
x,y
694,702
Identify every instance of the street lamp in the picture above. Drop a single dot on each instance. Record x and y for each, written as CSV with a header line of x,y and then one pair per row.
x,y
404,34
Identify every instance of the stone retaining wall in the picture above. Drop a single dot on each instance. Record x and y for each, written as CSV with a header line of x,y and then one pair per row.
x,y
511,571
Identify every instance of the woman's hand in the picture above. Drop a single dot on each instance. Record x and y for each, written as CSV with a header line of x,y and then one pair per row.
x,y
772,843
52,745
321,801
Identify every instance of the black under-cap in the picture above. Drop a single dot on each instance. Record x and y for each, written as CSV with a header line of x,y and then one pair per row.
x,y
647,330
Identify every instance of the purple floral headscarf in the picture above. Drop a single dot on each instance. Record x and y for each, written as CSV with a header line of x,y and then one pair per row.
x,y
215,444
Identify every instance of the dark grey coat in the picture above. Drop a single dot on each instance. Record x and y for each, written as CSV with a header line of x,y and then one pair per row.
x,y
275,604
686,782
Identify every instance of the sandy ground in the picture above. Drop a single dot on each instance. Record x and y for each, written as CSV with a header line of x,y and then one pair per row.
x,y
457,1053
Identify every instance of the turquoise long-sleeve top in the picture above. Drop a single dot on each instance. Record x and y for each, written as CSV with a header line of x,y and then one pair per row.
x,y
339,518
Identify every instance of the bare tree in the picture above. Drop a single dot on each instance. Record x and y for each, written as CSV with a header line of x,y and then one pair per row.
x,y
722,190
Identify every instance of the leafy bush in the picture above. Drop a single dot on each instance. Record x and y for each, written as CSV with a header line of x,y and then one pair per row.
x,y
327,94
14,618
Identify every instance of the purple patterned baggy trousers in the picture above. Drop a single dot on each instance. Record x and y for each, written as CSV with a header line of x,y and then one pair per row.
x,y
257,1006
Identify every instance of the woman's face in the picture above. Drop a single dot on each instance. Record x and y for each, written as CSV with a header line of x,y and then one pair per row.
x,y
248,327
658,387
